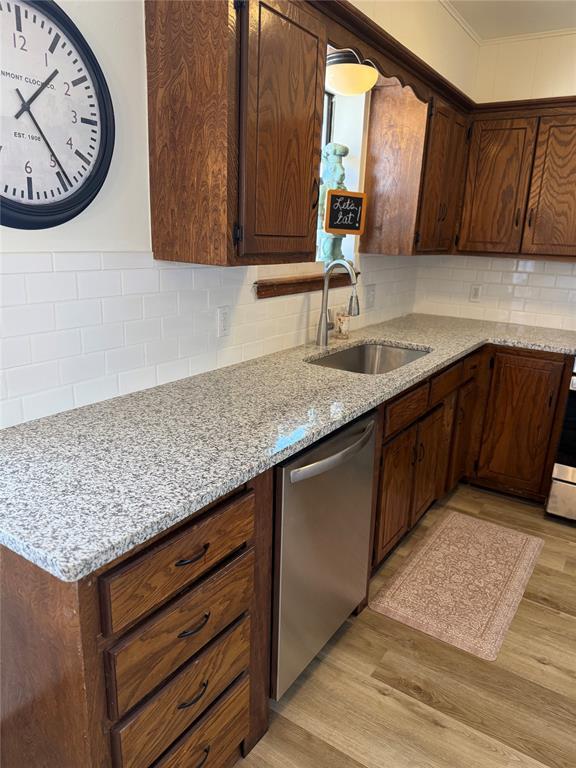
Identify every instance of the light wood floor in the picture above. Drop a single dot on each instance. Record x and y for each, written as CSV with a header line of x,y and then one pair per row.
x,y
382,695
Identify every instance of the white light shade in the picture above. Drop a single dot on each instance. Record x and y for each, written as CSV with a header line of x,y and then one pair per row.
x,y
350,79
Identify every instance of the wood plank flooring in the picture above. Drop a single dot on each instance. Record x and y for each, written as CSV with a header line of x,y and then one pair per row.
x,y
383,695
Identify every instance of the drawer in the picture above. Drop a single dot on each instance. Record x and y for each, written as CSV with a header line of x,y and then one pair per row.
x,y
135,589
149,731
406,410
472,365
146,656
445,383
214,742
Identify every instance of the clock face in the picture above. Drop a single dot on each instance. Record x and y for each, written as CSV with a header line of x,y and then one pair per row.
x,y
56,119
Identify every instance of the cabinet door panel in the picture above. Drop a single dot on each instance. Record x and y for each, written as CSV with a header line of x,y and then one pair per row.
x,y
453,183
519,419
432,201
426,482
449,414
284,66
465,414
551,222
497,185
397,475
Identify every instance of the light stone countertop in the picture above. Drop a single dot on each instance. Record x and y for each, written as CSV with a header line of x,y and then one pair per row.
x,y
83,487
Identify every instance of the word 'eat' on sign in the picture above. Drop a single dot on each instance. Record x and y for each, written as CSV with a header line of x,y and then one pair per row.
x,y
345,212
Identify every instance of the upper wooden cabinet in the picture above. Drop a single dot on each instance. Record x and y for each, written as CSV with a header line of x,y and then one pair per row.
x,y
285,52
235,97
551,221
442,181
497,182
394,154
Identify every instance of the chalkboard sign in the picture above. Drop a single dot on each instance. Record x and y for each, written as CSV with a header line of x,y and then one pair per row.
x,y
345,212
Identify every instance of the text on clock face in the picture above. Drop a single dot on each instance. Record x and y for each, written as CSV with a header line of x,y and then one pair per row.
x,y
49,114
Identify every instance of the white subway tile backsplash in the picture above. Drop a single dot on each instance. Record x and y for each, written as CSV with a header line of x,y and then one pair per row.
x,y
94,390
82,367
77,314
51,286
31,378
73,262
118,308
160,304
128,260
11,412
25,262
162,351
12,290
143,330
97,284
140,281
26,319
100,337
47,403
14,351
134,380
173,370
125,358
51,346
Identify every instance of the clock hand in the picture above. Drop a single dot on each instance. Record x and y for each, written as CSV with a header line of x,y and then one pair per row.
x,y
26,104
58,163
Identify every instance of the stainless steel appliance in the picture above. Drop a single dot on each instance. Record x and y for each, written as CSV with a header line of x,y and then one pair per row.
x,y
562,499
323,534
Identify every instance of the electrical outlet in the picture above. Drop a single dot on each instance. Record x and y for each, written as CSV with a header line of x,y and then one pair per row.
x,y
370,296
224,321
475,292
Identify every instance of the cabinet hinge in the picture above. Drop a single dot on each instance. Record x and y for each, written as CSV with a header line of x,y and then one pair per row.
x,y
416,238
239,4
469,133
492,362
457,240
237,234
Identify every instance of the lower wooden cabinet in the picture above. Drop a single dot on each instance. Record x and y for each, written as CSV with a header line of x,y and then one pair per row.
x,y
521,413
429,441
466,411
397,480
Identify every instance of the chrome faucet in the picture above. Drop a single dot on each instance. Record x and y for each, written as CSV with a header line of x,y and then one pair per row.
x,y
325,324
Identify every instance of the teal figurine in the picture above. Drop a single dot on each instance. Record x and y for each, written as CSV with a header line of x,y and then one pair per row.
x,y
333,175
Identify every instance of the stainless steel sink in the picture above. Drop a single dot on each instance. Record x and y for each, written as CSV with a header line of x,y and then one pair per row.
x,y
370,358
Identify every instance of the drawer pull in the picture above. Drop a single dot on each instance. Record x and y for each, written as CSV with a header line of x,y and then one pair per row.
x,y
194,558
204,758
195,699
194,631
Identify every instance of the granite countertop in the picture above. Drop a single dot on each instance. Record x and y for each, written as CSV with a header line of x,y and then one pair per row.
x,y
81,488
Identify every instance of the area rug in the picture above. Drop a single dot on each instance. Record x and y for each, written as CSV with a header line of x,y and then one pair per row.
x,y
462,584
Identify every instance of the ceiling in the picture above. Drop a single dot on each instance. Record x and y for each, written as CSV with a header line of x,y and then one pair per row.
x,y
494,19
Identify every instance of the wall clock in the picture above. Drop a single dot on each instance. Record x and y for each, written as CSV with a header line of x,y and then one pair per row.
x,y
56,117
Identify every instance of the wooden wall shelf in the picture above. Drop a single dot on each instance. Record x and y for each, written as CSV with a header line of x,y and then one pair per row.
x,y
286,286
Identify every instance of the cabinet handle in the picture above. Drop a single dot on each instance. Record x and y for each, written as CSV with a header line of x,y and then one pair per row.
x,y
530,217
195,699
204,758
316,193
194,631
194,558
421,452
414,455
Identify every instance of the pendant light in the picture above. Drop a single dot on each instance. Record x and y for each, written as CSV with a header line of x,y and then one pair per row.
x,y
347,75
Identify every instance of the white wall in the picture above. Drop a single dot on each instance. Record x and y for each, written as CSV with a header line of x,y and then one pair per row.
x,y
531,67
119,217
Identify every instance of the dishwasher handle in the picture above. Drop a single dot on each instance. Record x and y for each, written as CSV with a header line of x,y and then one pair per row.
x,y
331,462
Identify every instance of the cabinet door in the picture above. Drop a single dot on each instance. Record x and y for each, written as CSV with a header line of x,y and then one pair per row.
x,y
426,481
550,226
465,415
449,414
284,56
520,414
497,185
397,478
446,154
432,200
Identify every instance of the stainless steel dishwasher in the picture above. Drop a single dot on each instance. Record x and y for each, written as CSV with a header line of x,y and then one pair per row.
x,y
323,539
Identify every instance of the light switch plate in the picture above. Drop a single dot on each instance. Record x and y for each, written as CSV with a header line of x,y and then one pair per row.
x,y
475,292
224,321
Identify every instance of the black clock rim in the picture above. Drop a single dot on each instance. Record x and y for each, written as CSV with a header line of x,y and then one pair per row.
x,y
22,216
